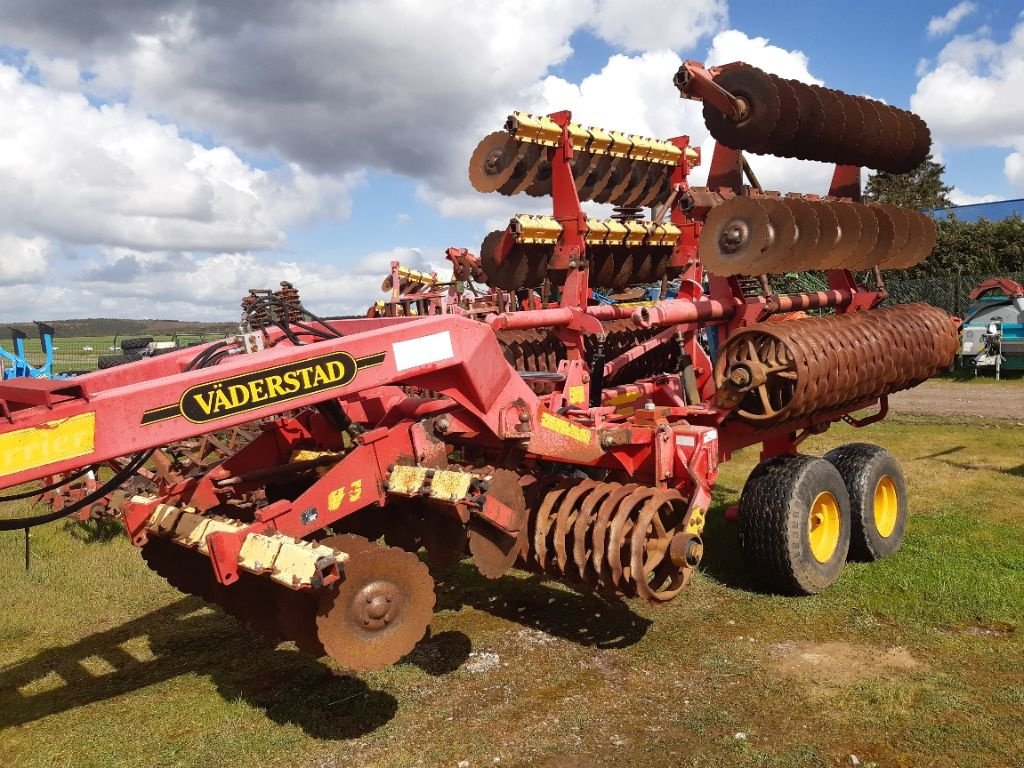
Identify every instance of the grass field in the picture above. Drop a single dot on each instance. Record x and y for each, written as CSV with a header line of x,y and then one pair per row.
x,y
914,661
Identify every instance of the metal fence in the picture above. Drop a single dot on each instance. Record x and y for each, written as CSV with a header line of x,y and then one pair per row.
x,y
81,354
951,293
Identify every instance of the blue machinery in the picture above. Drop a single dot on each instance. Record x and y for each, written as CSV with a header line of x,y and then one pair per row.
x,y
15,365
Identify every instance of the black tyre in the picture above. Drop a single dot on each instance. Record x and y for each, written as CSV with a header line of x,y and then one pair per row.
x,y
139,343
794,525
878,499
111,361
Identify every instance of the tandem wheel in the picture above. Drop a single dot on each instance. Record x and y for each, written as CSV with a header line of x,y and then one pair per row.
x,y
878,499
795,525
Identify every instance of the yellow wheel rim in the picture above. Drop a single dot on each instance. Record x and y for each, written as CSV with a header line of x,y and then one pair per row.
x,y
823,526
887,506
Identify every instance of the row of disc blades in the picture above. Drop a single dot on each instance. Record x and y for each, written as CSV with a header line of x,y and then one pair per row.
x,y
501,163
774,235
793,119
611,266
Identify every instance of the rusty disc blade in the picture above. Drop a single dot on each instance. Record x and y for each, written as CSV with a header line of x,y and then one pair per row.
x,y
907,253
621,189
853,130
600,173
901,227
922,143
349,543
905,138
831,141
781,238
583,163
803,254
812,120
402,529
733,236
378,612
868,237
886,232
495,551
889,147
541,186
621,169
828,235
296,619
757,90
920,243
848,237
871,138
499,275
528,164
493,162
789,117
444,538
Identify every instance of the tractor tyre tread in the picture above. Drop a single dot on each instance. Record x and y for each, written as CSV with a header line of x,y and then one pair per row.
x,y
774,509
862,465
137,343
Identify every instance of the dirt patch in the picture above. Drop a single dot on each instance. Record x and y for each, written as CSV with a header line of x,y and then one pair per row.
x,y
984,629
949,398
829,667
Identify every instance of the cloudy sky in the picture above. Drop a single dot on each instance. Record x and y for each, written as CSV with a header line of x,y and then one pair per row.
x,y
159,158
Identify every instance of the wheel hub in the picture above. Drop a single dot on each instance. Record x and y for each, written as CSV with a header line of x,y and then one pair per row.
x,y
376,604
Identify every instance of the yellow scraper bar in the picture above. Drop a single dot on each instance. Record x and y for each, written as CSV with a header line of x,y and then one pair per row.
x,y
545,230
541,129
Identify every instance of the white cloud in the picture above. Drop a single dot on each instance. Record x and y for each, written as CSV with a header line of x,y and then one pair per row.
x,y
971,96
23,260
110,175
643,25
958,197
939,26
734,45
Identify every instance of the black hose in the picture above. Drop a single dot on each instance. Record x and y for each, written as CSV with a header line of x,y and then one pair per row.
x,y
45,488
20,523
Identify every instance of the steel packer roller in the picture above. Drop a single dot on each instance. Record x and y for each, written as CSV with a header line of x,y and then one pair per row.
x,y
772,234
607,166
777,372
620,252
752,110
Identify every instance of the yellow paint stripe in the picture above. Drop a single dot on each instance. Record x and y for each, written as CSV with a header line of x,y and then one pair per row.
x,y
51,442
565,427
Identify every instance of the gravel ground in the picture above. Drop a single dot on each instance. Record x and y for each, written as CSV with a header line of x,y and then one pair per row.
x,y
950,398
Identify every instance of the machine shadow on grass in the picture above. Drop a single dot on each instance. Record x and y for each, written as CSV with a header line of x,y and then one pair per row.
x,y
723,561
533,601
290,687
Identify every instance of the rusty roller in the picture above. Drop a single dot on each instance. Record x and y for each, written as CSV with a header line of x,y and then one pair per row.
x,y
793,119
625,539
777,372
774,235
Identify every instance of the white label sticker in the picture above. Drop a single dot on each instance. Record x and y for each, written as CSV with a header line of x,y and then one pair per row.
x,y
711,434
423,351
685,440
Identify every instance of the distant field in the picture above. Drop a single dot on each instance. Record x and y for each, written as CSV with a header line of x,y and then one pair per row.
x,y
914,661
76,354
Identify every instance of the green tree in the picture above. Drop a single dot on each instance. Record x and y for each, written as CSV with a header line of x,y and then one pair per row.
x,y
921,188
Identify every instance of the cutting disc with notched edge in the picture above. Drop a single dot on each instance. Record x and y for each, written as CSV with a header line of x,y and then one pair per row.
x,y
378,612
886,232
599,175
803,254
900,225
812,121
906,137
853,130
656,183
494,551
868,237
444,538
848,240
830,142
789,117
889,146
922,143
781,239
620,191
528,164
582,165
871,138
733,236
756,89
541,186
920,243
498,275
493,162
828,235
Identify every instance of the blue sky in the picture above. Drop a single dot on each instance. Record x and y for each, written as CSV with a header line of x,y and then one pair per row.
x,y
198,148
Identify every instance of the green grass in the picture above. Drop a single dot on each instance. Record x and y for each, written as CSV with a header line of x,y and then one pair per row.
x,y
102,664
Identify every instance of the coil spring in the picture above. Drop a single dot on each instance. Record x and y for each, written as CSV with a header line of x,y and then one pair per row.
x,y
288,294
626,539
